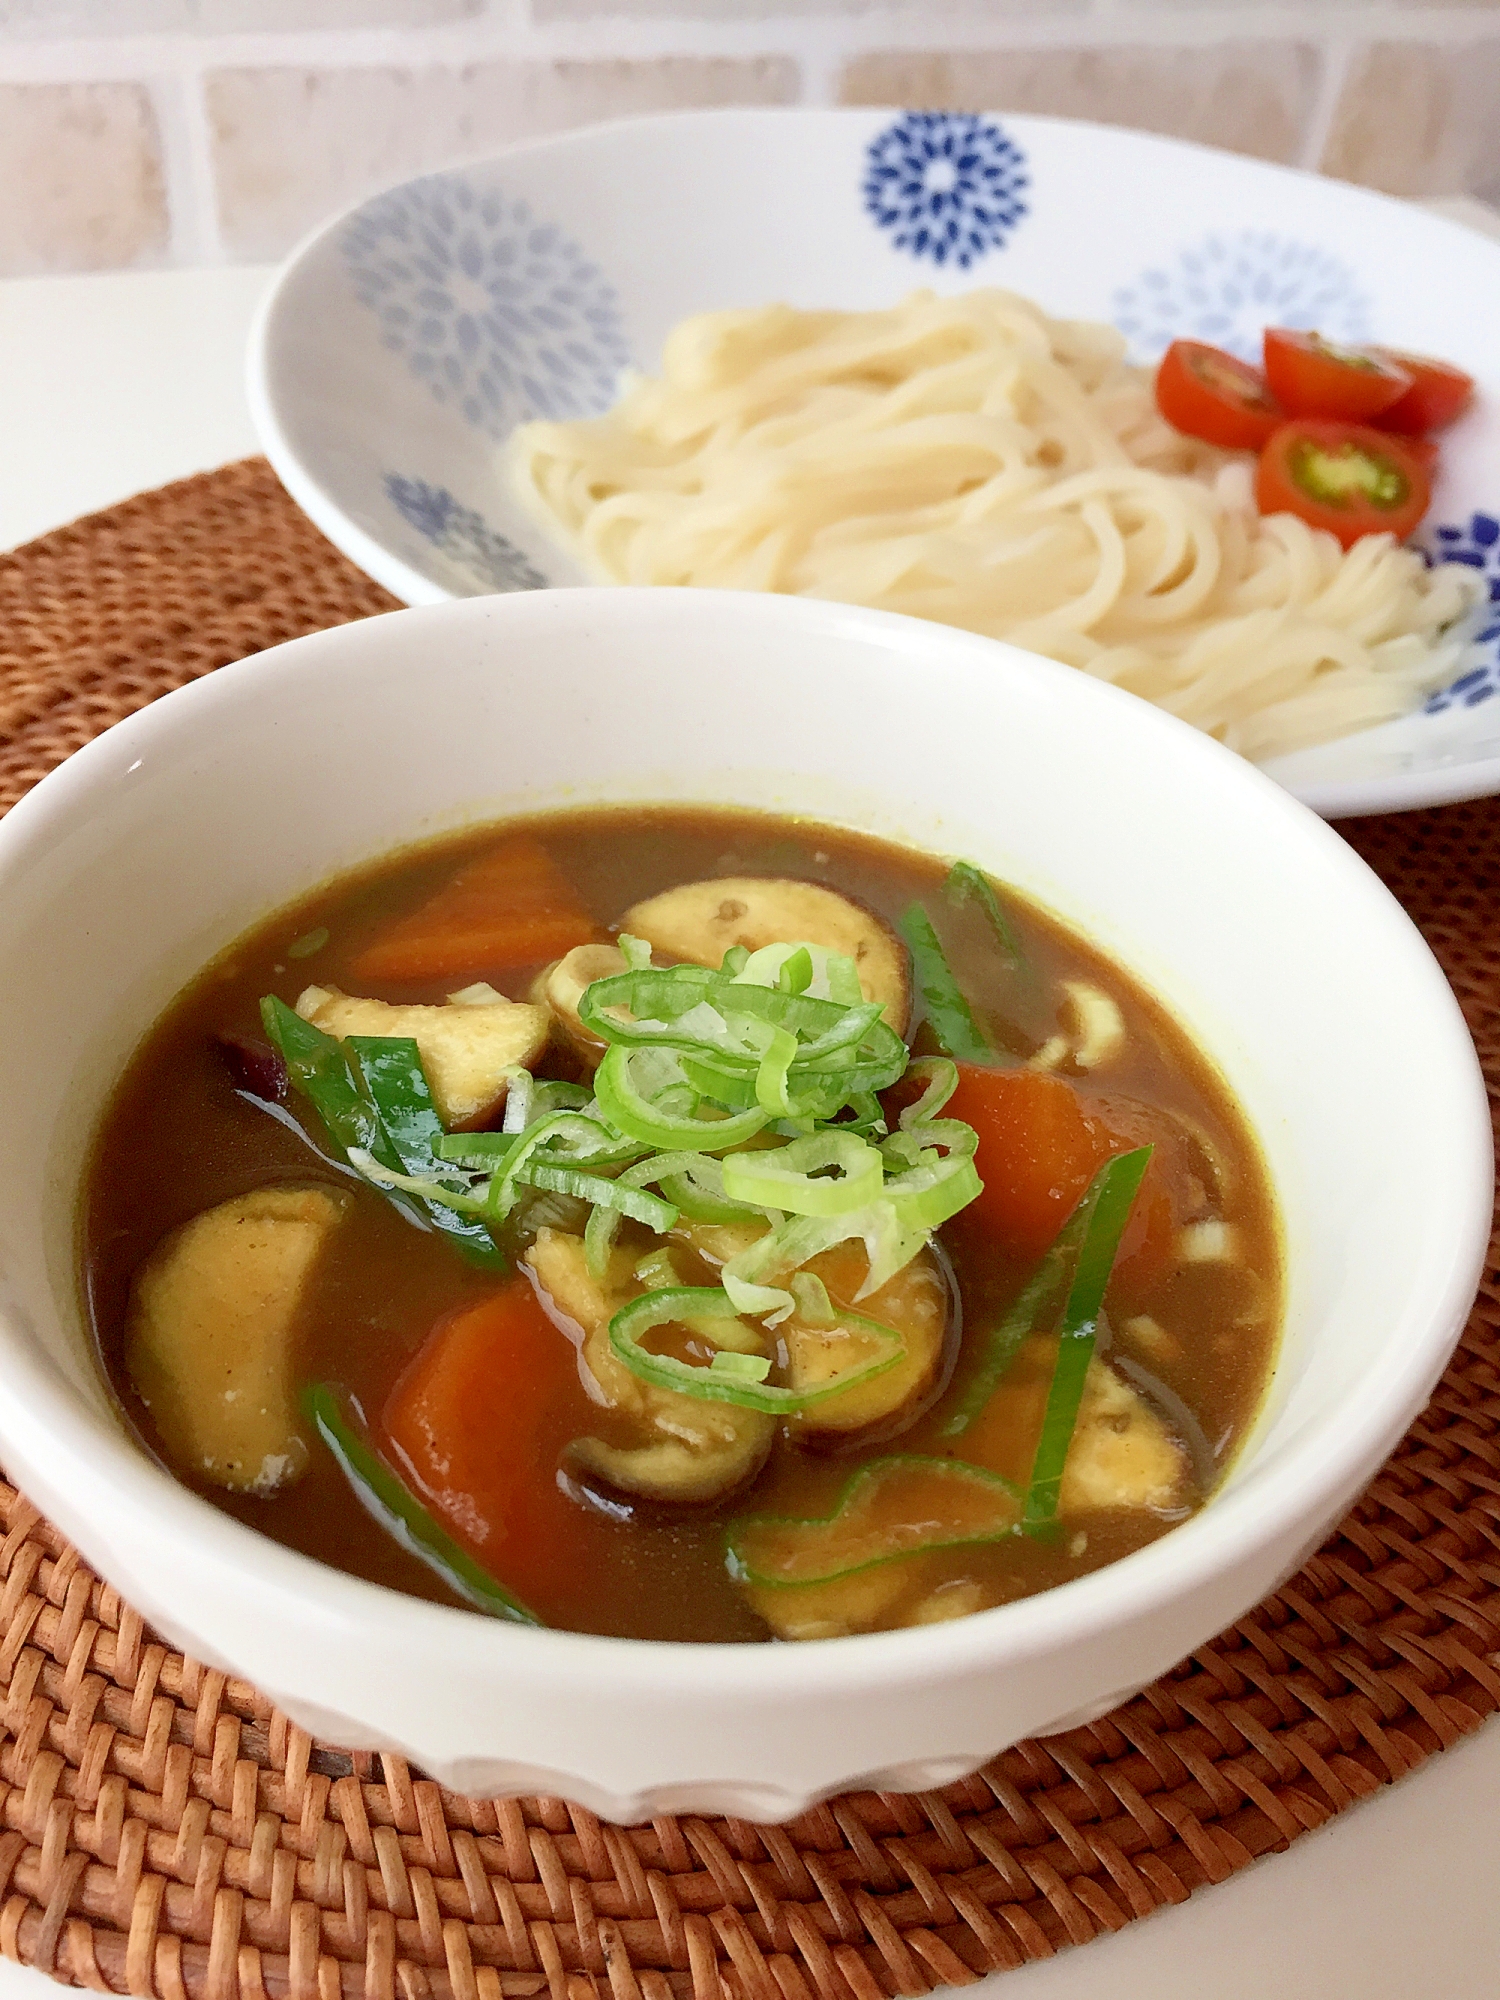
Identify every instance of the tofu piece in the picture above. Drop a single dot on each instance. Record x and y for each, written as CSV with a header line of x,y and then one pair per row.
x,y
208,1338
914,1304
466,1049
562,986
1122,1454
699,921
834,1609
689,1449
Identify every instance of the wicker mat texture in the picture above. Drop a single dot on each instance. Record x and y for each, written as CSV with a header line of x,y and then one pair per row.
x,y
164,1832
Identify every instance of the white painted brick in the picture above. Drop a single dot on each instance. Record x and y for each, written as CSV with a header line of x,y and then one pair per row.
x,y
80,178
60,19
1253,97
293,146
1420,120
931,13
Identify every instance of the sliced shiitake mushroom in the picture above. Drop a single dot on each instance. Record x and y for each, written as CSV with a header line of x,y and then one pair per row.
x,y
699,921
688,1450
916,1304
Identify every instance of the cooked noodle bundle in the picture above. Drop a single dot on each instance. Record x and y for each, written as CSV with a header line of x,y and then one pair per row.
x,y
972,461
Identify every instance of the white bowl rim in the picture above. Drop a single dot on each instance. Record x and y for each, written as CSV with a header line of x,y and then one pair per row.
x,y
1311,1469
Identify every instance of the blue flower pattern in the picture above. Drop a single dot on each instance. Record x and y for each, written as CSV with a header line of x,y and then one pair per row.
x,y
1476,543
501,314
946,185
1228,288
462,534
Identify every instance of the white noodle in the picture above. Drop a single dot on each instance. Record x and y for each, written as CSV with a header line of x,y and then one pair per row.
x,y
972,461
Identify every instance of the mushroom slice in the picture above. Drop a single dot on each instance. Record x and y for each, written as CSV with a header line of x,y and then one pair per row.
x,y
467,1049
562,986
699,921
1122,1454
687,1449
209,1334
913,1304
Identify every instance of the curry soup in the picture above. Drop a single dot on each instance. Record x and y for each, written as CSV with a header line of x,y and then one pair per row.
x,y
747,1314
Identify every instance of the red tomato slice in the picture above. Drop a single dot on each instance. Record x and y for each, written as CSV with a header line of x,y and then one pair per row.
x,y
1310,377
1439,393
1347,478
1213,395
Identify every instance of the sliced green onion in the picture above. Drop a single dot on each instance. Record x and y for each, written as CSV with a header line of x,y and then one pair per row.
x,y
602,1192
796,973
373,1097
827,1174
1000,1346
709,1310
635,951
599,1234
742,1367
657,1271
941,1080
892,1508
403,1516
478,1151
319,1068
814,1307
948,1012
641,1118
426,1187
966,883
771,1077
308,943
833,975
1106,1210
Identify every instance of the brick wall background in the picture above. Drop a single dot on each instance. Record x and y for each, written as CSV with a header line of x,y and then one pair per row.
x,y
150,132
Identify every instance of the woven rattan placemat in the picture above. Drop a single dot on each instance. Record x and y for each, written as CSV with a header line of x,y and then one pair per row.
x,y
163,1831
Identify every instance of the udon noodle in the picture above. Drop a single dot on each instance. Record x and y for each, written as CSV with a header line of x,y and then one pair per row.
x,y
972,461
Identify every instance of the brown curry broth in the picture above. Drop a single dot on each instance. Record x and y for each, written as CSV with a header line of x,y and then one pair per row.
x,y
177,1139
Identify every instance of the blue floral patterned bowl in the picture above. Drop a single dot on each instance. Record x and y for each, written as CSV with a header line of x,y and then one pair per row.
x,y
406,340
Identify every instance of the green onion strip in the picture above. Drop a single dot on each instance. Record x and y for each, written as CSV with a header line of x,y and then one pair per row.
x,y
746,1095
1105,1210
402,1515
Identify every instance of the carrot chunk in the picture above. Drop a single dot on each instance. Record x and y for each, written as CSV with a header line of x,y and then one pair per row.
x,y
1040,1144
475,1424
1038,1151
513,906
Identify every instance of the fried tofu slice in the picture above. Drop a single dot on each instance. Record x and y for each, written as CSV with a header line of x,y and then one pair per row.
x,y
1122,1454
831,1610
699,921
208,1337
467,1049
563,985
684,1449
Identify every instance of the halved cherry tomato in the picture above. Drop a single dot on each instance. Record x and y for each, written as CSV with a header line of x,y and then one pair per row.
x,y
1311,377
1439,393
1215,396
1347,478
1425,451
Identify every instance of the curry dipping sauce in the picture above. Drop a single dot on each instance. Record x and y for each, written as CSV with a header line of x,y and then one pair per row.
x,y
682,1224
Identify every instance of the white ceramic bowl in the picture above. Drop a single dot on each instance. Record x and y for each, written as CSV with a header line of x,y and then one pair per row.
x,y
405,340
158,844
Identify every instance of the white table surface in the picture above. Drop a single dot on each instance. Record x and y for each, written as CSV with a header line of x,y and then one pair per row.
x,y
110,384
